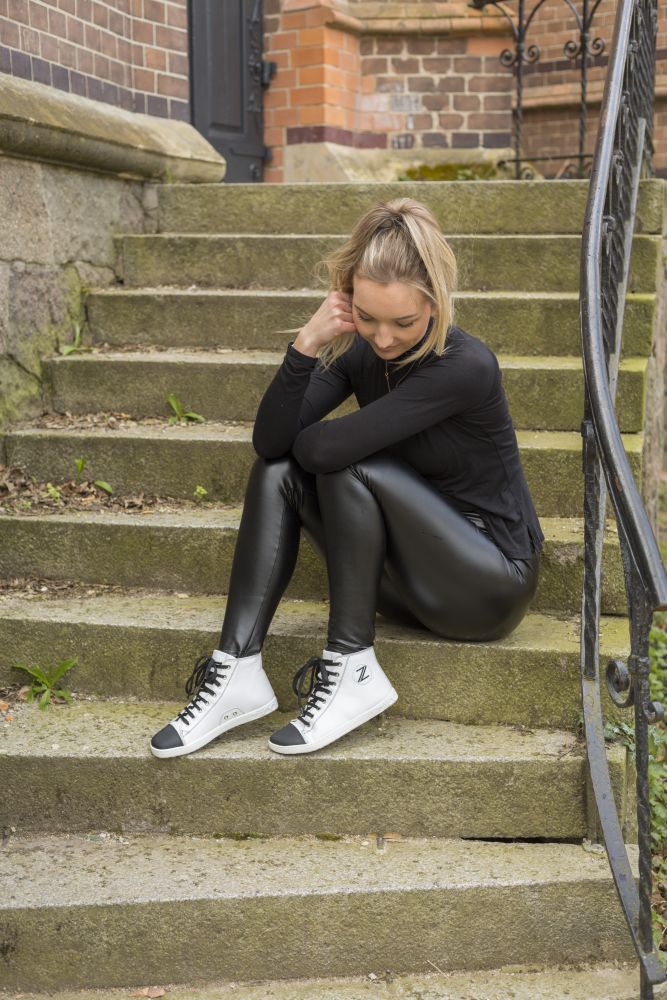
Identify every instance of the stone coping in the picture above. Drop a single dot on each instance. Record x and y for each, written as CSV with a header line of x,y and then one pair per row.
x,y
42,123
405,17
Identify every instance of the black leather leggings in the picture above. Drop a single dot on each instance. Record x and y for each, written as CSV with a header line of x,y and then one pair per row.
x,y
391,543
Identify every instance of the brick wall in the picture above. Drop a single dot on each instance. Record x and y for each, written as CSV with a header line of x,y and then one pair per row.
x,y
362,89
130,53
427,90
379,91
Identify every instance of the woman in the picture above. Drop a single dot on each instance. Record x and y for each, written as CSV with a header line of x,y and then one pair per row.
x,y
417,501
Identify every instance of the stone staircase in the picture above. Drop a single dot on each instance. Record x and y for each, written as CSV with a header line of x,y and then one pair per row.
x,y
440,851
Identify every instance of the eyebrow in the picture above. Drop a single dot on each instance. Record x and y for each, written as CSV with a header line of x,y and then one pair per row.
x,y
409,316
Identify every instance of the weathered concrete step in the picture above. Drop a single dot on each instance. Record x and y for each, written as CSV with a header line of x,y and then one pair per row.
x,y
192,551
172,460
488,207
583,982
88,766
517,263
114,919
511,322
544,393
143,644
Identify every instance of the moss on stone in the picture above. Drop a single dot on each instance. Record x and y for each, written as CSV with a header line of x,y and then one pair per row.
x,y
451,172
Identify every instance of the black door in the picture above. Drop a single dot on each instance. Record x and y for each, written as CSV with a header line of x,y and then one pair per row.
x,y
227,76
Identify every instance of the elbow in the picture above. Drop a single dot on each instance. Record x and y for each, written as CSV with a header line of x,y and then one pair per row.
x,y
305,456
266,448
312,457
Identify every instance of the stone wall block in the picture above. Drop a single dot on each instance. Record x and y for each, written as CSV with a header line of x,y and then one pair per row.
x,y
86,209
654,429
25,223
4,306
57,243
43,304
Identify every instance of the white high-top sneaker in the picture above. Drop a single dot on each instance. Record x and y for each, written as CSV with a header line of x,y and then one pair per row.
x,y
346,690
229,690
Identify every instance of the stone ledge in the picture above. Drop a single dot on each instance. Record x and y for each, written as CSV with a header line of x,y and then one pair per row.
x,y
41,123
361,17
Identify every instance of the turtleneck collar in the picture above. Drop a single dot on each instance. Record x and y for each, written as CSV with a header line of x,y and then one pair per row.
x,y
413,349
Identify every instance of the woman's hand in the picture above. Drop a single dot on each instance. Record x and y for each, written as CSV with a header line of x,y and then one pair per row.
x,y
332,319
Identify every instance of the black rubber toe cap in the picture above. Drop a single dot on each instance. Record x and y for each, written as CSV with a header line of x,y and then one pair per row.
x,y
167,739
288,736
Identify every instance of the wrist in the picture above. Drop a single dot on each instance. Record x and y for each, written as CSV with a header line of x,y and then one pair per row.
x,y
306,344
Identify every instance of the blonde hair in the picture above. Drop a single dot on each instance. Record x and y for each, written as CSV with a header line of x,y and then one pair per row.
x,y
398,240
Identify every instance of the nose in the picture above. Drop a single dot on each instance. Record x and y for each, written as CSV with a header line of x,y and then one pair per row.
x,y
383,342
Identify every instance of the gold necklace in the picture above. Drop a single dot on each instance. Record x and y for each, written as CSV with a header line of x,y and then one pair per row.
x,y
386,374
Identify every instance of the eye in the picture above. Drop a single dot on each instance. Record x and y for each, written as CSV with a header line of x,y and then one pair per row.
x,y
367,319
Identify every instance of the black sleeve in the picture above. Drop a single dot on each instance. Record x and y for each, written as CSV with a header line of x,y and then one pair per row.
x,y
432,393
301,392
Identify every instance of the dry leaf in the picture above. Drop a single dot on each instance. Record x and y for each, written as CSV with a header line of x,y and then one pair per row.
x,y
149,991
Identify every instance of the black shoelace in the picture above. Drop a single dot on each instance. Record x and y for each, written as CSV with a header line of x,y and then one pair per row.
x,y
319,684
204,674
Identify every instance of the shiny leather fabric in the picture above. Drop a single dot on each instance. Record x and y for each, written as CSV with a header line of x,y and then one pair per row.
x,y
391,542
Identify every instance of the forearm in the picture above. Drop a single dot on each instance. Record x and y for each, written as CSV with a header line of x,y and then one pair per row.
x,y
277,420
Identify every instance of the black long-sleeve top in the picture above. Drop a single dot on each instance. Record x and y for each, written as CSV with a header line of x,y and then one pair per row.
x,y
447,415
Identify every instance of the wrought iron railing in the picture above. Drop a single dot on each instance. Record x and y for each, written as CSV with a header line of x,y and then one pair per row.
x,y
583,47
623,154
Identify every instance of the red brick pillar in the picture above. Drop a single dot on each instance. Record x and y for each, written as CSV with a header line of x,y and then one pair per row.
x,y
353,95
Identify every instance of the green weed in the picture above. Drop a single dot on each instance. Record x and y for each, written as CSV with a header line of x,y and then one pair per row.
x,y
53,492
101,483
180,413
43,686
66,349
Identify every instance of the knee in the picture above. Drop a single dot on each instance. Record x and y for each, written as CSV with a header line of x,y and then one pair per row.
x,y
276,470
364,469
274,474
282,474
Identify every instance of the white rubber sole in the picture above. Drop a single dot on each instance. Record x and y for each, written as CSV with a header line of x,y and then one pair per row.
x,y
347,727
238,720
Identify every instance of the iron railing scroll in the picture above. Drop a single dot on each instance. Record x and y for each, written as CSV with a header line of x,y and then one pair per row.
x,y
583,47
623,154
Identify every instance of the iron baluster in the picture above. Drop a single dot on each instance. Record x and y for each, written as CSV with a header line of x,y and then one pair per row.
x,y
623,152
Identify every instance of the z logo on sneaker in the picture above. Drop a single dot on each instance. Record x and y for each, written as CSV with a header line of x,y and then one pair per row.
x,y
363,674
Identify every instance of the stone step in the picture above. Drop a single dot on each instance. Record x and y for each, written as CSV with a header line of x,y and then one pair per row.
x,y
114,910
490,207
191,550
582,982
544,393
172,460
485,262
88,766
525,323
143,644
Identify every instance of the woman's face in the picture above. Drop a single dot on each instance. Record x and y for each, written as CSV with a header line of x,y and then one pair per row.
x,y
391,317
